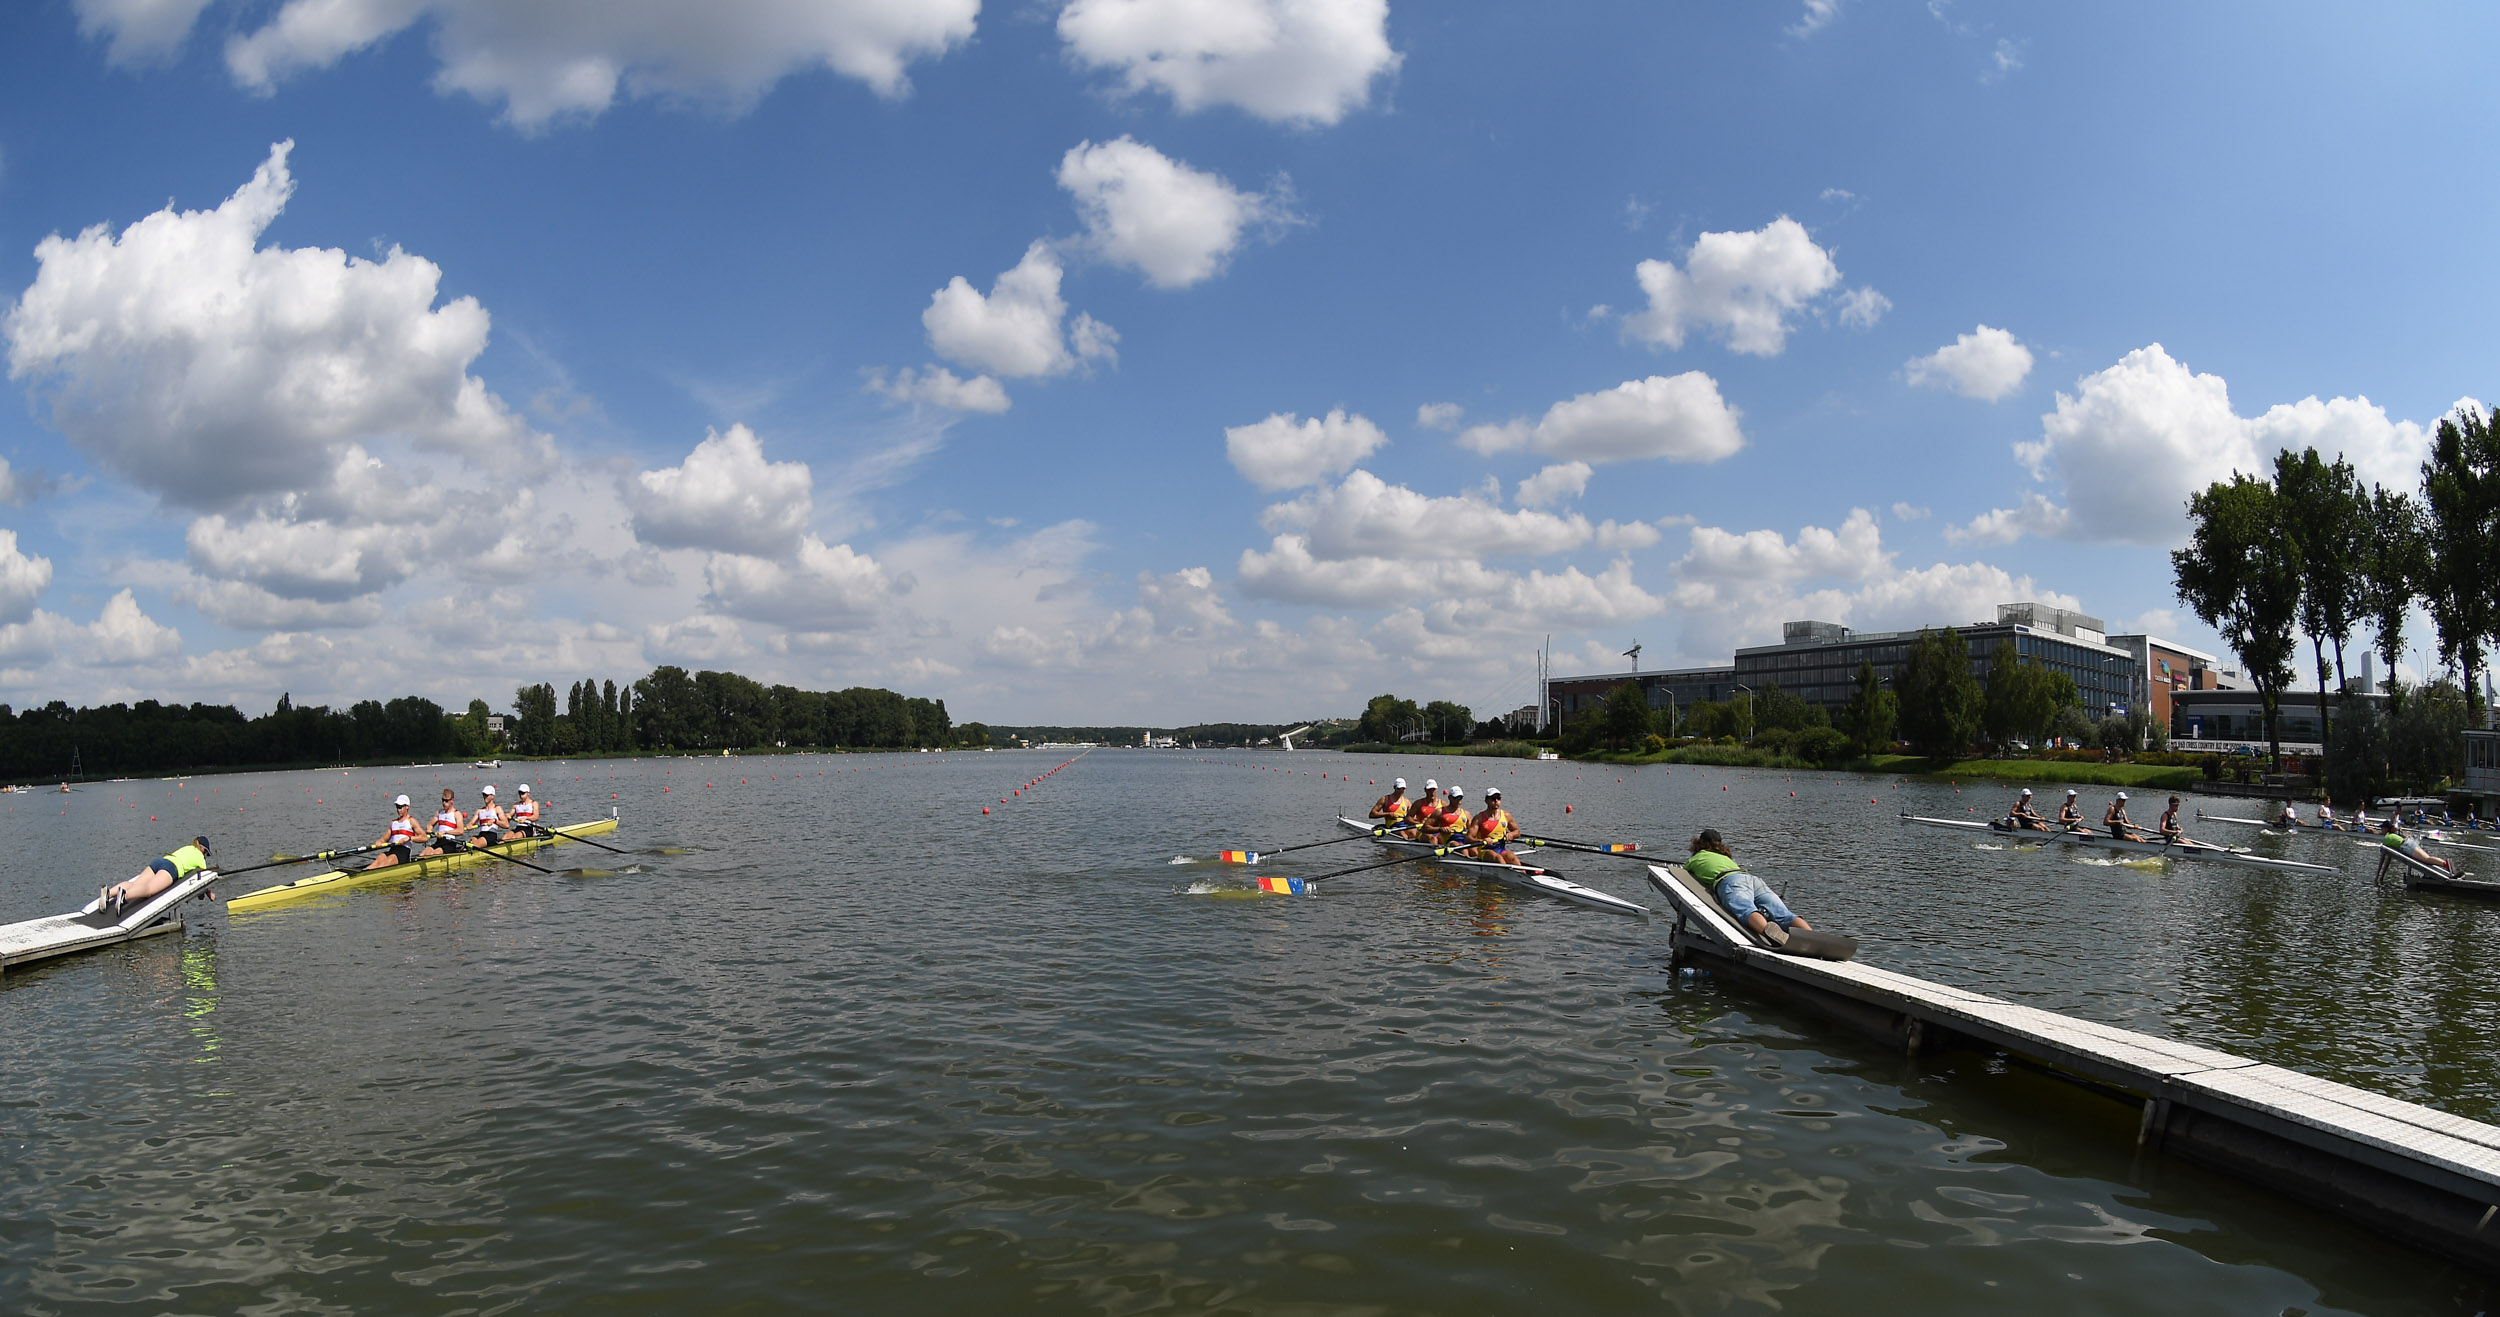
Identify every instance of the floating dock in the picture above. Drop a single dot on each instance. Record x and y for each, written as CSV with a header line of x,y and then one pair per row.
x,y
92,927
2419,1176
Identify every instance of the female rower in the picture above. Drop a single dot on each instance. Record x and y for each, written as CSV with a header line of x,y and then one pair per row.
x,y
2289,818
404,841
154,879
1391,809
1748,898
2326,817
525,813
490,822
2120,826
1493,831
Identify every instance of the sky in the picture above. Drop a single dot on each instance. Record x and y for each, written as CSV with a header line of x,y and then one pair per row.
x,y
1164,361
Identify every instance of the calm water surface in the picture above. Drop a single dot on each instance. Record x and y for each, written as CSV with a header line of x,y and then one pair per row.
x,y
857,1046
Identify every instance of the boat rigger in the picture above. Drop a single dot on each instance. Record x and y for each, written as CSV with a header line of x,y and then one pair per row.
x,y
1525,878
94,927
340,880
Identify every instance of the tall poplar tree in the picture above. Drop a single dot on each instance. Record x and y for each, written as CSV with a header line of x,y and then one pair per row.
x,y
2240,574
2461,495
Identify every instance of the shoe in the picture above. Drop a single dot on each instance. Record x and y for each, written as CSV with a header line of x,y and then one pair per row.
x,y
1777,935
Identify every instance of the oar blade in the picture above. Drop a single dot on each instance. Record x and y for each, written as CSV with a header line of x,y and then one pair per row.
x,y
1237,857
1286,886
1622,847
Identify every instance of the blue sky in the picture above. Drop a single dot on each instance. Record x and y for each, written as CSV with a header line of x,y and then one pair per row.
x,y
1302,349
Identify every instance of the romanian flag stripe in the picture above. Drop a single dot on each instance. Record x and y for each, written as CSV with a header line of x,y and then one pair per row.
x,y
1286,886
1237,857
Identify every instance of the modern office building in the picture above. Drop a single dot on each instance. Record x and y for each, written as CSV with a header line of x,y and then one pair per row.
x,y
2163,668
1819,661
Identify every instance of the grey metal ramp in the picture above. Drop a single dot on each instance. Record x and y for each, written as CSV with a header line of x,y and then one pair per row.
x,y
90,928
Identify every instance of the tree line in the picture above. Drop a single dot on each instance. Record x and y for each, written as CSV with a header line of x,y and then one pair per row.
x,y
2312,551
672,709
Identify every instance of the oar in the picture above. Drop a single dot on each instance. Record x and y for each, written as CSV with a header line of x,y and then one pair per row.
x,y
1593,848
1302,886
282,861
515,859
1253,857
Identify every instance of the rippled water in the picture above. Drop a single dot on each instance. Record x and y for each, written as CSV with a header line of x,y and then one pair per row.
x,y
857,1046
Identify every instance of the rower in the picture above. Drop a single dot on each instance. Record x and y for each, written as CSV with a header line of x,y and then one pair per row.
x,y
525,813
1748,898
1453,820
490,822
2168,825
154,879
1427,808
2070,815
1493,831
2411,849
449,823
404,839
2326,816
2024,816
1391,808
2120,826
2289,818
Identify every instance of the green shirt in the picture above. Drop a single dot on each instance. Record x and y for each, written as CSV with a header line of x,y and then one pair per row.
x,y
1710,866
187,862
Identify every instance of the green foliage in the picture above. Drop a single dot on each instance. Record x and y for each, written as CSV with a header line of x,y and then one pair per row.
x,y
2326,512
2461,496
2241,575
1389,719
2395,555
1446,723
1873,713
2356,752
2022,697
1709,719
2427,741
1821,745
2113,732
1940,700
1627,717
1782,711
2071,725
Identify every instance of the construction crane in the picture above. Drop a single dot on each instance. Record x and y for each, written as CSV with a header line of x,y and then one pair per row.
x,y
1634,654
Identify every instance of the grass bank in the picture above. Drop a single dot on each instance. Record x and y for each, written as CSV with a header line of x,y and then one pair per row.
x,y
1482,749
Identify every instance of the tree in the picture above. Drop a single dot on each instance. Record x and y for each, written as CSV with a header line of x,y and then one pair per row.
x,y
2356,753
1448,723
2395,556
1940,700
665,708
534,713
2461,494
2241,576
1388,719
1626,718
2022,696
2427,741
1871,714
2325,511
1781,711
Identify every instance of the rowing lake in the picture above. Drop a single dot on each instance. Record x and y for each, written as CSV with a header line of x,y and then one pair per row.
x,y
856,1046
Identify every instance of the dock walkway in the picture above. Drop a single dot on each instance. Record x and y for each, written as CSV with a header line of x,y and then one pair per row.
x,y
2420,1176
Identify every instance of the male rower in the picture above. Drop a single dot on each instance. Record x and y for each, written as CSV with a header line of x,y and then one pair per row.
x,y
154,879
2119,825
2070,814
1748,898
1492,832
1391,809
2024,817
1426,810
490,822
525,813
2411,849
448,824
2168,824
1453,820
404,841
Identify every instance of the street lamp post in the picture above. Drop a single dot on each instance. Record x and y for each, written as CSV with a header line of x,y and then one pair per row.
x,y
1749,712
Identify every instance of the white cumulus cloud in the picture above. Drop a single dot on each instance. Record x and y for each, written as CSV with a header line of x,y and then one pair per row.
x,y
939,387
1365,516
23,578
1144,210
186,359
1986,363
139,31
2133,441
1855,551
1559,483
1680,418
1744,287
725,496
1286,451
1308,62
821,588
542,62
1016,330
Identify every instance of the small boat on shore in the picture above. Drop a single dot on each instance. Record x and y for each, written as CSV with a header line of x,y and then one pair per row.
x,y
2185,850
1528,878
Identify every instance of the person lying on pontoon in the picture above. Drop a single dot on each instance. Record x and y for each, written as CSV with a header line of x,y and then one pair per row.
x,y
1391,808
2023,816
1748,898
154,879
2119,825
1492,832
2070,814
2411,849
404,841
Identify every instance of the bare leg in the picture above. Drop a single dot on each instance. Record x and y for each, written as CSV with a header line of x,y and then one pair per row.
x,y
140,886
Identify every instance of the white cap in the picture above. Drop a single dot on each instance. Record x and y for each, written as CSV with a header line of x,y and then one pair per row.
x,y
2026,791
1430,785
524,788
2070,791
1456,792
1493,793
1401,784
487,790
2122,795
401,801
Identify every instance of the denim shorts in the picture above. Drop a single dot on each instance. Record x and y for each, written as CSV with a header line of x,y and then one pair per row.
x,y
1742,894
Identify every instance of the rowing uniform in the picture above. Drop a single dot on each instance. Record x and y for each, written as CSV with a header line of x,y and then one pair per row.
x,y
1493,829
1391,809
1452,823
405,838
525,817
490,823
447,825
1424,813
2169,825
